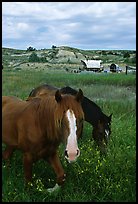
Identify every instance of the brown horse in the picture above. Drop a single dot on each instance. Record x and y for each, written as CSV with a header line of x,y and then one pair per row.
x,y
37,127
92,113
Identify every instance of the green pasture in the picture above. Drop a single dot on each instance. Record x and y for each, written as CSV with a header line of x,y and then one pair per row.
x,y
94,177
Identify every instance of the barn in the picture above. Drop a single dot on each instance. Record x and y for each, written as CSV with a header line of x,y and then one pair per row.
x,y
92,65
115,68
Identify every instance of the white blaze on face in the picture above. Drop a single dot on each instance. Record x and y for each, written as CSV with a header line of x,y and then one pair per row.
x,y
72,146
107,133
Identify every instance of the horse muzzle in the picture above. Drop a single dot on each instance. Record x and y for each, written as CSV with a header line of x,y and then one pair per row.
x,y
72,156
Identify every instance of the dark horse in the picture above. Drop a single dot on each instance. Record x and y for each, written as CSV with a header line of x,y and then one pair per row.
x,y
38,126
93,114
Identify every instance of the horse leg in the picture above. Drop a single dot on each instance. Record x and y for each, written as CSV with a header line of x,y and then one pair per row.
x,y
56,164
28,164
7,153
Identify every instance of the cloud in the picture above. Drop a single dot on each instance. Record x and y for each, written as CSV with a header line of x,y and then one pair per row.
x,y
86,25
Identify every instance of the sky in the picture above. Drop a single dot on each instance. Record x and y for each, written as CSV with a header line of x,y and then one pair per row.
x,y
82,25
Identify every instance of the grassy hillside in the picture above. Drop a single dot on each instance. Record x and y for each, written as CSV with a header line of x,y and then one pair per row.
x,y
64,58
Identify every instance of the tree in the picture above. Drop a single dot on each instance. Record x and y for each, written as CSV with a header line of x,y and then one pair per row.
x,y
31,49
33,57
126,55
53,46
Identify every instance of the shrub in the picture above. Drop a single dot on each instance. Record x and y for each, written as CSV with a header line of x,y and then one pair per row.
x,y
34,58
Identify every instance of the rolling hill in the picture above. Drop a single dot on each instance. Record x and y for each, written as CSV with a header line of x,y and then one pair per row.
x,y
64,57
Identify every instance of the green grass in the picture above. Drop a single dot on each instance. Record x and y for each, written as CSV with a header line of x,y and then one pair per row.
x,y
93,177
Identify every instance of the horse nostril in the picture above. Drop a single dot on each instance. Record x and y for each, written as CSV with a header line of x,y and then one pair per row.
x,y
78,152
66,153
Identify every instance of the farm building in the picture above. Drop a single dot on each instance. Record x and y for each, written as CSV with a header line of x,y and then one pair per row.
x,y
115,68
92,65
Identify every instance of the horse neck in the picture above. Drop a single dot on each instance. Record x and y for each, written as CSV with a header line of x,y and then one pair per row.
x,y
92,111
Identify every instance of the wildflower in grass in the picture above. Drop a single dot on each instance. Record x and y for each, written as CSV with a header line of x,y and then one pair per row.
x,y
39,185
30,184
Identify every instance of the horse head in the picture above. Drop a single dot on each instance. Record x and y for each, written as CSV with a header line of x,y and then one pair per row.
x,y
102,130
71,122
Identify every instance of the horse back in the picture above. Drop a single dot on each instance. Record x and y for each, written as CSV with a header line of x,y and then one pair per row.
x,y
42,90
11,109
9,99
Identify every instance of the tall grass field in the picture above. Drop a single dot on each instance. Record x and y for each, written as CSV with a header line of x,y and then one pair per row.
x,y
93,177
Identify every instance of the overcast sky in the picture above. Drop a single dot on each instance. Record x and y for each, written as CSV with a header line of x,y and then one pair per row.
x,y
83,25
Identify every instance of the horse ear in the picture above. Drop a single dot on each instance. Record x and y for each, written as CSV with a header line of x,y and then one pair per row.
x,y
58,96
110,117
79,95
